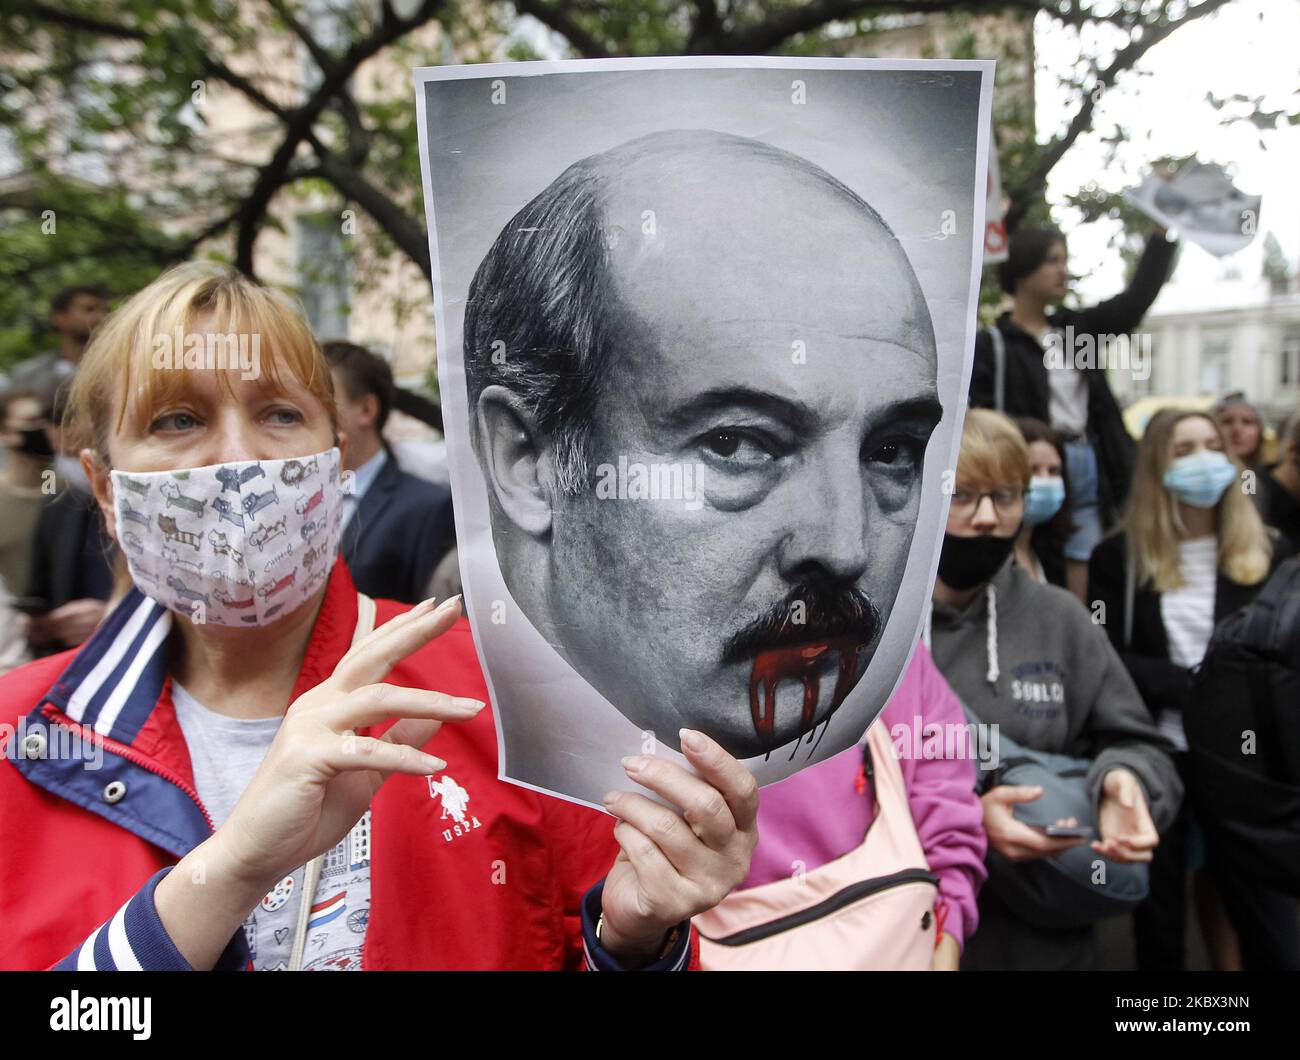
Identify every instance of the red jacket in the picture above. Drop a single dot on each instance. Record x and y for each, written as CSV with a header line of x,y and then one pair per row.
x,y
515,887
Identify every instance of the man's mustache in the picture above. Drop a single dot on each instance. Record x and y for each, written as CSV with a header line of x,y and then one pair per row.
x,y
827,614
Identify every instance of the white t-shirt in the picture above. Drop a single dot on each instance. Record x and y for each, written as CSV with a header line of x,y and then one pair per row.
x,y
225,752
1067,401
1188,615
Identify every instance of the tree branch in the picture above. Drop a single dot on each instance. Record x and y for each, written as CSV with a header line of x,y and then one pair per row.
x,y
1125,59
706,28
319,55
210,231
208,64
301,121
85,23
780,26
394,219
585,44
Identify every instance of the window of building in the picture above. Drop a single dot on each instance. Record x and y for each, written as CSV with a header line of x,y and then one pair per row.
x,y
1289,360
1141,363
1214,362
324,274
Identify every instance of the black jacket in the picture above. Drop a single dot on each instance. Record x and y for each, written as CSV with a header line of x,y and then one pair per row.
x,y
1027,393
1277,507
400,530
72,554
1163,683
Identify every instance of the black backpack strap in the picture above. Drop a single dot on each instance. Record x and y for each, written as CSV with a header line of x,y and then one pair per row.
x,y
999,345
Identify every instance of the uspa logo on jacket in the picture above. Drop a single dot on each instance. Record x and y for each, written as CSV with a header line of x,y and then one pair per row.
x,y
455,806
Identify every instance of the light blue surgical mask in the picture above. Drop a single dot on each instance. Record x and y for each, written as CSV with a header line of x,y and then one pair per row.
x,y
1200,479
1044,500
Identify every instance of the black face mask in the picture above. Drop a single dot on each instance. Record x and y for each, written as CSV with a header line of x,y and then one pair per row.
x,y
970,561
35,442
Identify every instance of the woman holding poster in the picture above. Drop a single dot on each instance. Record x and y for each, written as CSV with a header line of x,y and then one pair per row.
x,y
275,784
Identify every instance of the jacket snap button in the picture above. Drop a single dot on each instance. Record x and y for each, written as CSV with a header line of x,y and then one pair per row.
x,y
34,745
115,792
925,921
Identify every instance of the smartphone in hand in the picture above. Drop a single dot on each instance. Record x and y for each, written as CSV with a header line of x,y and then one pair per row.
x,y
1057,831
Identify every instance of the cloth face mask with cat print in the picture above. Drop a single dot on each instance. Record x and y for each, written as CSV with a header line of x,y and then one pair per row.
x,y
236,544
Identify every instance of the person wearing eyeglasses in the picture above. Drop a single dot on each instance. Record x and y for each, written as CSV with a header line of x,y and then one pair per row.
x,y
1027,657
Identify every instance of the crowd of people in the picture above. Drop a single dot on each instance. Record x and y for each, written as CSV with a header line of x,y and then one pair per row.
x,y
1081,580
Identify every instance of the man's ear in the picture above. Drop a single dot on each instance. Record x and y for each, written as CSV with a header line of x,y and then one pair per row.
x,y
101,485
511,455
370,408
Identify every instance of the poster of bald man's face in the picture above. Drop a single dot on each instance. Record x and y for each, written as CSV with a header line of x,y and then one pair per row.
x,y
703,349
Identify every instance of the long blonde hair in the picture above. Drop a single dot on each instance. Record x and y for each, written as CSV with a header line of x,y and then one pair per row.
x,y
1153,528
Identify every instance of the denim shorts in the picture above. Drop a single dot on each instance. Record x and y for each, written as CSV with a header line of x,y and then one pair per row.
x,y
1085,505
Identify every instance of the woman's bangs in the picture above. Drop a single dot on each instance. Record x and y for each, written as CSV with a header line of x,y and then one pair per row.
x,y
253,337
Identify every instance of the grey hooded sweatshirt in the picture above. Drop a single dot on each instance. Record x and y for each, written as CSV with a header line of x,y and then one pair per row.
x,y
1028,657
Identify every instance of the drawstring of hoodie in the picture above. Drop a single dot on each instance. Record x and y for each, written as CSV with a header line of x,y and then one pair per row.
x,y
991,628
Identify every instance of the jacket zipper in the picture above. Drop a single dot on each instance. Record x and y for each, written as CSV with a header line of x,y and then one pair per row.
x,y
122,751
835,902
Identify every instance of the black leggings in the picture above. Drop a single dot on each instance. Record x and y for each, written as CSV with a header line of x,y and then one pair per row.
x,y
1159,923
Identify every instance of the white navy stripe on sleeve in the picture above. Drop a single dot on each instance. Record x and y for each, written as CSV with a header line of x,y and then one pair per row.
x,y
135,940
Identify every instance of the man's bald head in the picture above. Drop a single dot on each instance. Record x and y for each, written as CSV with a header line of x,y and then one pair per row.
x,y
679,233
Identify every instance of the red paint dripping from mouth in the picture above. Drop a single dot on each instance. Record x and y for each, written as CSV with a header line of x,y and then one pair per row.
x,y
798,662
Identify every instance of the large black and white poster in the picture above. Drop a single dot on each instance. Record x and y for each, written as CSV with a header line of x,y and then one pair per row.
x,y
703,345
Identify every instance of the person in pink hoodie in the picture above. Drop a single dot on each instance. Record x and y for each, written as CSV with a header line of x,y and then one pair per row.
x,y
823,812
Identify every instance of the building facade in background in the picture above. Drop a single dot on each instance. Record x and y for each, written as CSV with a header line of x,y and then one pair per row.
x,y
1208,337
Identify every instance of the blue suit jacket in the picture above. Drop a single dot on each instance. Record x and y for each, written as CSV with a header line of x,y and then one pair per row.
x,y
401,528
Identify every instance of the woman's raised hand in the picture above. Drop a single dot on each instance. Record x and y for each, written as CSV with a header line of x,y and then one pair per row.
x,y
315,783
319,776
